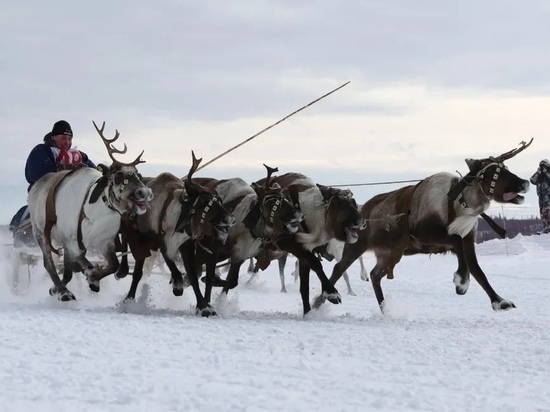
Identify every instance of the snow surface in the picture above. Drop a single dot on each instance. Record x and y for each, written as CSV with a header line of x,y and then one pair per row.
x,y
432,351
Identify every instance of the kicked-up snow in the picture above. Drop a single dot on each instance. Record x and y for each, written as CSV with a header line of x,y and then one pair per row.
x,y
432,351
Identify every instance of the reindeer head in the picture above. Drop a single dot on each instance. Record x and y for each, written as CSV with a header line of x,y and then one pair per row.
x,y
276,210
497,182
342,216
205,214
126,191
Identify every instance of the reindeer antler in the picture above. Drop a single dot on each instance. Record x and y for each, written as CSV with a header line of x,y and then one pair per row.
x,y
111,150
194,167
513,152
270,171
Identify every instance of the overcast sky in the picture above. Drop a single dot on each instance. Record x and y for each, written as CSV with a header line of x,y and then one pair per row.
x,y
432,82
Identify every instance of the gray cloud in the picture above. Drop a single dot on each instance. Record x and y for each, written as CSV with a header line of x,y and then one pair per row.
x,y
217,60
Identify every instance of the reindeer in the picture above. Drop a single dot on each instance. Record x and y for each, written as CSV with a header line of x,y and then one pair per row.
x,y
437,215
90,204
263,214
184,216
330,215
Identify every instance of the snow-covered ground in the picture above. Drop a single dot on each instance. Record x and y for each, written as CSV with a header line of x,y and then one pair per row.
x,y
432,351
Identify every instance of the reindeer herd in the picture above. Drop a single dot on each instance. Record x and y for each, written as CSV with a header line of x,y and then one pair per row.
x,y
203,221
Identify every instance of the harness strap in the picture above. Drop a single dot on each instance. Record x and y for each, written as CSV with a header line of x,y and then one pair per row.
x,y
162,213
51,216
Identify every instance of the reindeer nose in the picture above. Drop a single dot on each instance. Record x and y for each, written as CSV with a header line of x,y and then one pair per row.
x,y
143,193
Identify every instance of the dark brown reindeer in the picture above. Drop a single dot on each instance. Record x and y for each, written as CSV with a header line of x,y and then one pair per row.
x,y
185,216
330,215
437,215
263,214
90,205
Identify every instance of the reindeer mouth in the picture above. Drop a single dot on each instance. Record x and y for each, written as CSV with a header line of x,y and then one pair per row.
x,y
352,233
513,197
141,205
293,226
222,230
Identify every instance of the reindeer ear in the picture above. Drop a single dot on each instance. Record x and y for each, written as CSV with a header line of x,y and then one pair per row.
x,y
259,189
473,164
326,191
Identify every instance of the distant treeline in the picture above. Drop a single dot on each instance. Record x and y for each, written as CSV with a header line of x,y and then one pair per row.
x,y
525,226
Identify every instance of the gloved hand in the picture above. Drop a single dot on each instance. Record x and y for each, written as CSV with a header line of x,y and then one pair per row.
x,y
103,168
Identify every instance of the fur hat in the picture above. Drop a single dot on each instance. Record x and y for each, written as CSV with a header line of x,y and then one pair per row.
x,y
544,162
62,127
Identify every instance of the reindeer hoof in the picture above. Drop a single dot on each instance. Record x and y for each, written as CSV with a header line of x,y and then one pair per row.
x,y
93,284
283,290
333,297
503,305
119,276
66,296
461,284
217,282
129,299
206,311
382,305
351,293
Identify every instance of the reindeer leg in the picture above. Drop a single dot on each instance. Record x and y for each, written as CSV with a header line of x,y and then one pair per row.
x,y
282,264
232,279
497,302
349,255
176,278
461,277
328,290
253,272
251,266
210,275
67,269
59,288
364,273
136,278
123,268
95,274
187,251
303,271
348,284
376,275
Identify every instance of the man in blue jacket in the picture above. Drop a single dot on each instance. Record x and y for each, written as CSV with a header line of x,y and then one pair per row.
x,y
54,154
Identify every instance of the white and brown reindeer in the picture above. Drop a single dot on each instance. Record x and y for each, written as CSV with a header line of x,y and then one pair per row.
x,y
330,216
263,214
439,214
80,211
184,217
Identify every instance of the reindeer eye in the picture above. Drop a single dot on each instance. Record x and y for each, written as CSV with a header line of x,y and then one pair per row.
x,y
119,177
